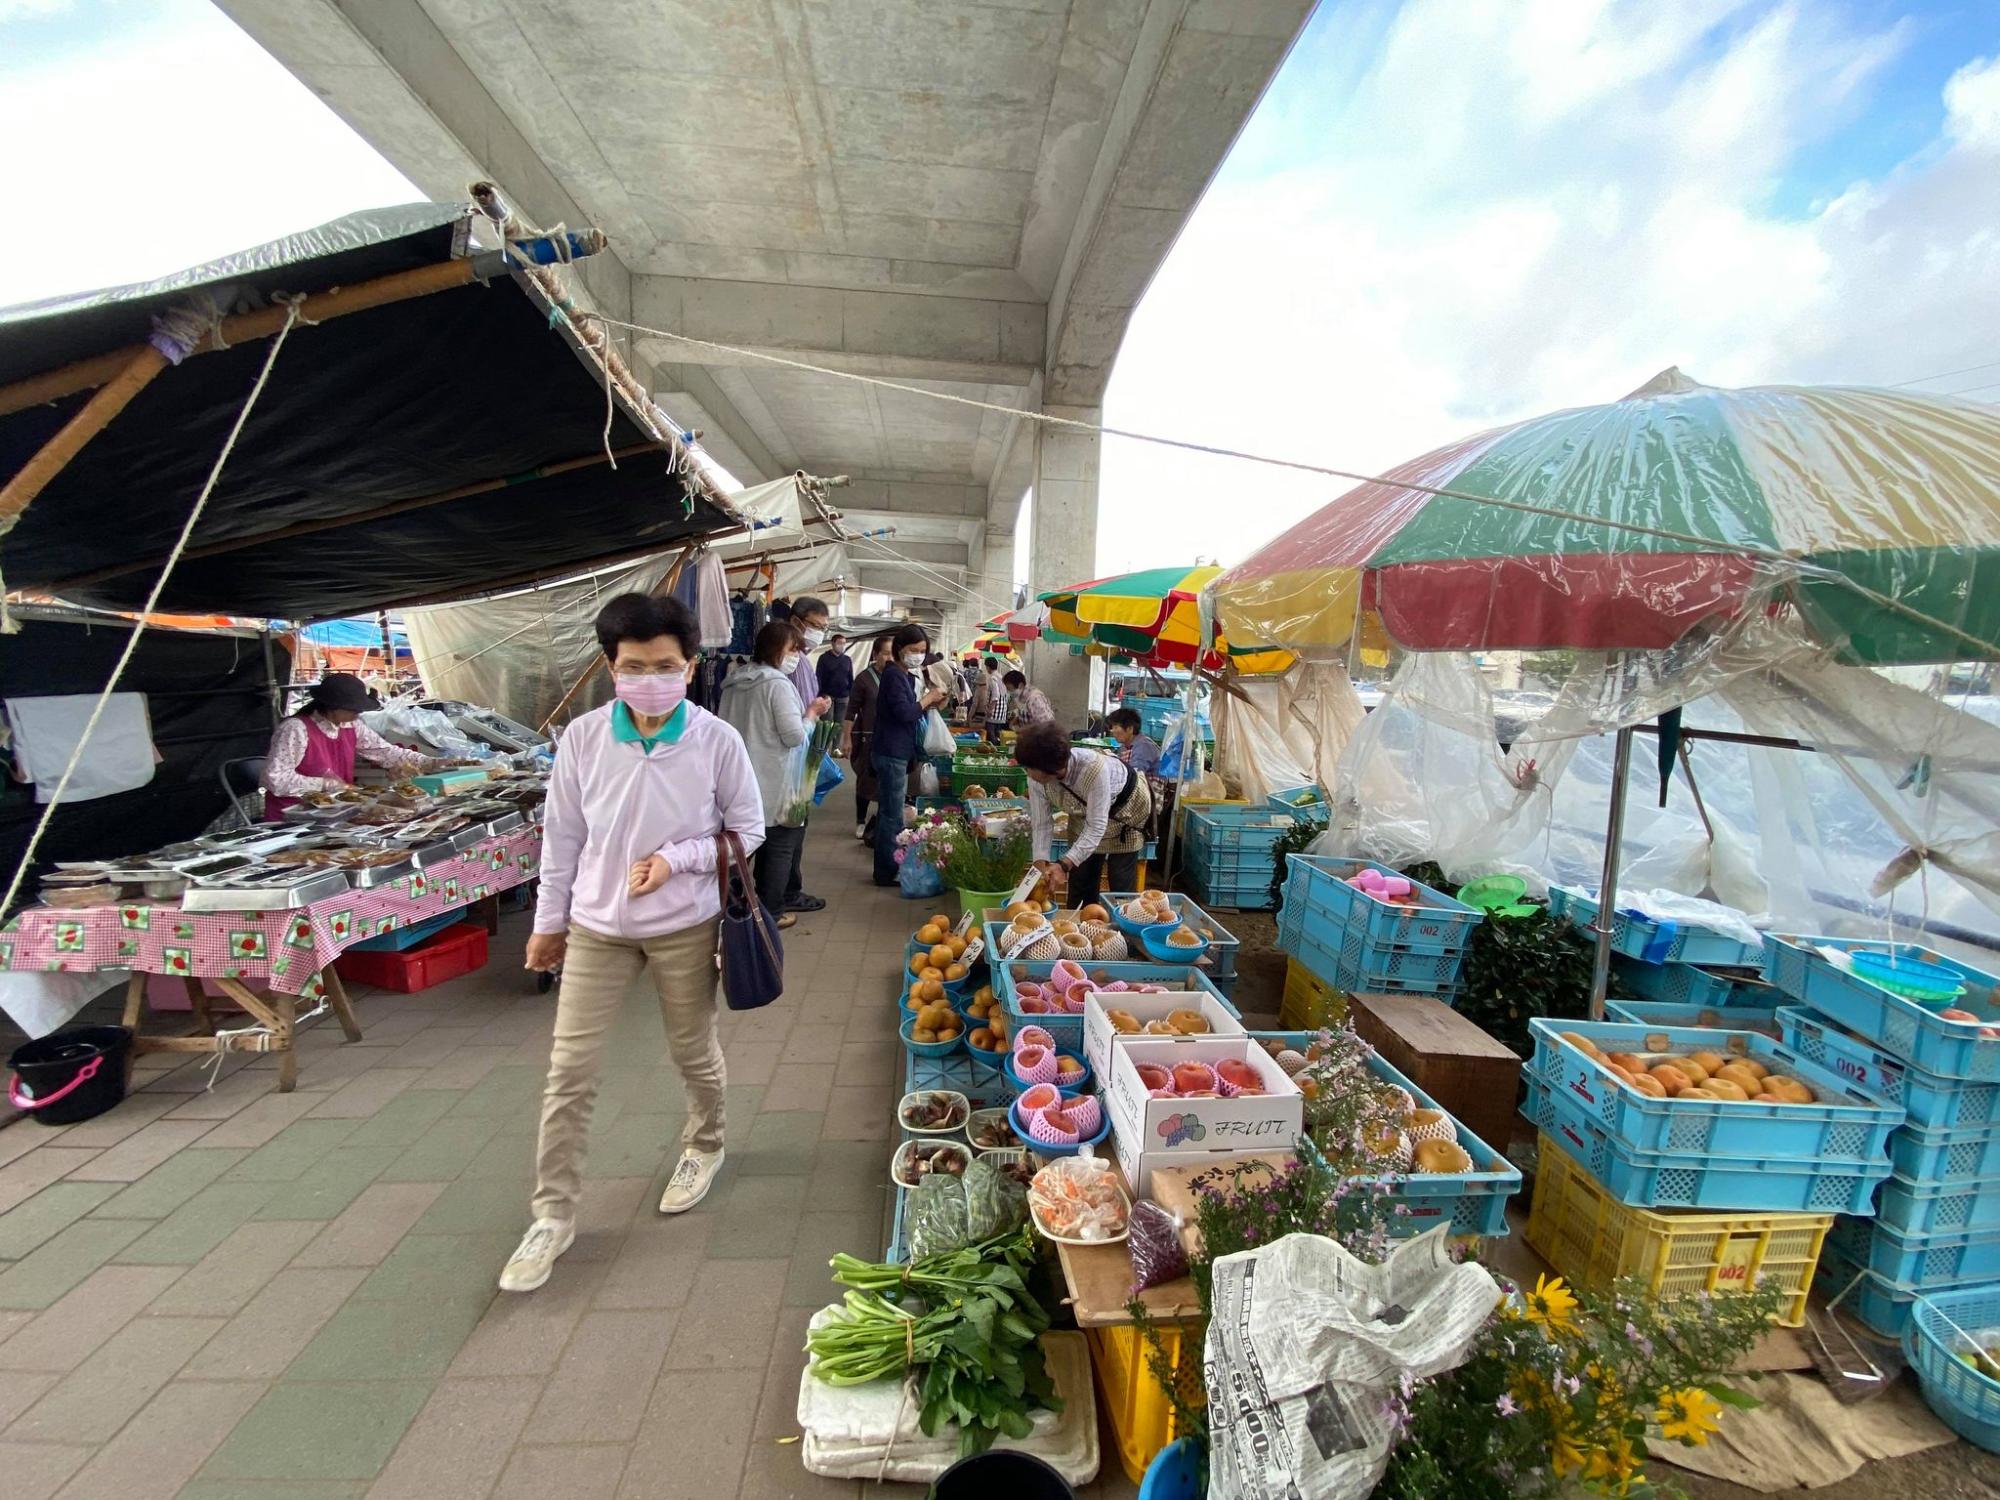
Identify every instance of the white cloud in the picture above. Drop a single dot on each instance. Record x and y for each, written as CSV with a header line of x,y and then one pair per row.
x,y
1514,210
180,141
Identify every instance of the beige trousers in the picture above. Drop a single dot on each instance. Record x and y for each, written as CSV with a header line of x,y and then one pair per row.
x,y
597,975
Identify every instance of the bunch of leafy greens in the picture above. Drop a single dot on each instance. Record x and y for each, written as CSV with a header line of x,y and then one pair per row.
x,y
963,1323
1294,840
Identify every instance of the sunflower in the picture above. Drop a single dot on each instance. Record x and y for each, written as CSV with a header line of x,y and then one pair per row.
x,y
1688,1416
1614,1467
1552,1305
1565,1451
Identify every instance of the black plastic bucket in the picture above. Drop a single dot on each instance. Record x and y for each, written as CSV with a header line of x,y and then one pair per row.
x,y
73,1075
1001,1471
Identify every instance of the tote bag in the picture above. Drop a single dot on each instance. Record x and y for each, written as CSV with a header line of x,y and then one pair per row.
x,y
748,952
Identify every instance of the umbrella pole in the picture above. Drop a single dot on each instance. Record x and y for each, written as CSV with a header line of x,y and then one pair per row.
x,y
1607,892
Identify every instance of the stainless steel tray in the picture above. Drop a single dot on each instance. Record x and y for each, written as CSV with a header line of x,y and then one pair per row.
x,y
506,823
441,853
273,895
370,876
470,838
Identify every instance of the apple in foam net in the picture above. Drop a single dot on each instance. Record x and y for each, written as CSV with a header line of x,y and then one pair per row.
x,y
1237,1073
1152,1076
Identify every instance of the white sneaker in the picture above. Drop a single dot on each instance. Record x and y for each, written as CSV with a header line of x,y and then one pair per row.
x,y
689,1185
535,1256
861,832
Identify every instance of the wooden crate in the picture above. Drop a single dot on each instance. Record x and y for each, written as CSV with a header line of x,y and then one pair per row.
x,y
1465,1070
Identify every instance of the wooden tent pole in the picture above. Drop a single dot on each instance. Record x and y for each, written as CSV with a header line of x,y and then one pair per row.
x,y
136,369
331,523
241,328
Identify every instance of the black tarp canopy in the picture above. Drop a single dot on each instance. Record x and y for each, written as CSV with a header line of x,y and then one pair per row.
x,y
478,383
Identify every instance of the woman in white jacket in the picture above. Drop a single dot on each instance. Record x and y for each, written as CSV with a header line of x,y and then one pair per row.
x,y
761,703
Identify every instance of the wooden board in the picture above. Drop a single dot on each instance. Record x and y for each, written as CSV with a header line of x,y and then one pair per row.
x,y
1100,1286
1473,1077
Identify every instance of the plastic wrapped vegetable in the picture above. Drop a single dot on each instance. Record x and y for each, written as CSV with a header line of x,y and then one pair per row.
x,y
1154,1238
947,1212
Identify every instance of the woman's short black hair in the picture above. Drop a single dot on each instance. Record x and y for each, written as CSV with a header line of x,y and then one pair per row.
x,y
1125,718
773,641
1015,679
1043,747
910,635
646,617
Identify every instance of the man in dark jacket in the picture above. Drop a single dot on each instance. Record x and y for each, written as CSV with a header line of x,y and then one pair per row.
x,y
836,677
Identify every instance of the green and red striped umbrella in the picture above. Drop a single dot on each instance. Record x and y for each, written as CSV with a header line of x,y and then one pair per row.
x,y
1875,514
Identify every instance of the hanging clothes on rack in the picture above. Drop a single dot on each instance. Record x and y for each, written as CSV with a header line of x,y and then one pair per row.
x,y
712,600
746,619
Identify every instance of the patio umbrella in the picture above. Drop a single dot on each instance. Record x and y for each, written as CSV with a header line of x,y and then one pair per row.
x,y
1013,625
1874,514
1152,615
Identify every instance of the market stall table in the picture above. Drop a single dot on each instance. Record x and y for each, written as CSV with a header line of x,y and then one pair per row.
x,y
290,951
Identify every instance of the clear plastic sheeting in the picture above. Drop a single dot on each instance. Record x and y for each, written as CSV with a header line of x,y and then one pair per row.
x,y
1277,732
521,653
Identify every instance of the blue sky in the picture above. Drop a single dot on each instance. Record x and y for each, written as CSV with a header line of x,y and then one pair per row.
x,y
1446,214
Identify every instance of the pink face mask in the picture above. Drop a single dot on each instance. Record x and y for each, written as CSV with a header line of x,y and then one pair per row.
x,y
655,697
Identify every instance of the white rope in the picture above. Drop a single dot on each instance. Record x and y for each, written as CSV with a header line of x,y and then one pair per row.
x,y
1790,564
145,611
224,1035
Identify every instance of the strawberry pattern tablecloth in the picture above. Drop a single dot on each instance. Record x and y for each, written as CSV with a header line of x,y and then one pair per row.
x,y
283,949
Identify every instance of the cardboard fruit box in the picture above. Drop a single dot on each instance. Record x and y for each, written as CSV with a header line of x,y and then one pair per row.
x,y
1153,1133
1099,1035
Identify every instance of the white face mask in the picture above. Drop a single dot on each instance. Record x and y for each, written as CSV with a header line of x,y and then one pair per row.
x,y
791,663
912,660
812,637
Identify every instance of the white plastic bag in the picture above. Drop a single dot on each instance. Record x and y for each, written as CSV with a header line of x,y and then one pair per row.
x,y
937,735
927,780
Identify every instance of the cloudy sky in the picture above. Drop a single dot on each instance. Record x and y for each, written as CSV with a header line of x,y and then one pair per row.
x,y
1445,214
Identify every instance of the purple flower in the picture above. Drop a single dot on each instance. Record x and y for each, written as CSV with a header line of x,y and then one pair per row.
x,y
1505,1406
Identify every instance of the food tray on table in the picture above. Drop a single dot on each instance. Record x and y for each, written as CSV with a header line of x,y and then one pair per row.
x,y
1593,1240
1682,1179
1962,1390
1067,1029
1952,1258
279,890
1911,1031
1845,1120
1320,902
1657,940
1929,1100
1702,1017
1474,1203
1691,984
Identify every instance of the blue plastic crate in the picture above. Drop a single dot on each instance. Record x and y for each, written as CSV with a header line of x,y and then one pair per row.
x,y
1252,894
1846,1122
1911,1032
1690,984
1354,963
1919,1260
983,1087
1319,900
1709,1018
1474,1202
1879,1306
397,939
1677,1179
1947,1158
1068,1030
1938,1207
1303,804
1653,941
1930,1100
1965,1400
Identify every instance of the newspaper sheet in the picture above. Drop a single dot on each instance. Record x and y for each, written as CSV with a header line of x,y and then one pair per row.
x,y
1306,1345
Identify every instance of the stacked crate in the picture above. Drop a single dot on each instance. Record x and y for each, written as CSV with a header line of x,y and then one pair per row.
x,y
1935,1225
1353,942
1231,852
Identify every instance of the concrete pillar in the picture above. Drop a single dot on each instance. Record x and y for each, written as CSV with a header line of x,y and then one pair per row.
x,y
1062,547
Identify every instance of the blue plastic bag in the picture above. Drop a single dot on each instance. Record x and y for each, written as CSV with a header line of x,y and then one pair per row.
x,y
918,879
830,776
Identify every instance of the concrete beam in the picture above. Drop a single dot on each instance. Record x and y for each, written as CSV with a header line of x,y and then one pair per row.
x,y
891,334
910,497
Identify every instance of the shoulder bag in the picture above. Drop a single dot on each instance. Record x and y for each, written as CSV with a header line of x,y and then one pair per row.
x,y
748,952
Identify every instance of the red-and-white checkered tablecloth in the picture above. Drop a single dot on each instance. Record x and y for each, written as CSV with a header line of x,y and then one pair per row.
x,y
283,949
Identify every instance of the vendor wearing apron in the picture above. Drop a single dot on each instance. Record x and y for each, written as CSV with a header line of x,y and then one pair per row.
x,y
1113,799
315,750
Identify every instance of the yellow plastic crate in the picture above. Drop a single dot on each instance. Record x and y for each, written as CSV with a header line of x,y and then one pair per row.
x,y
1310,1002
1592,1240
1142,1419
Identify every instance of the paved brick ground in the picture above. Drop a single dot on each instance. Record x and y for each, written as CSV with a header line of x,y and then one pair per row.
x,y
242,1295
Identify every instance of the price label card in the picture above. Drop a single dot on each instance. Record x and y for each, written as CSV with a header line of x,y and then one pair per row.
x,y
1026,885
972,951
965,923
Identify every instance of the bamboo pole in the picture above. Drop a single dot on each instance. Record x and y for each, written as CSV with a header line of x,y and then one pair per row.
x,y
241,328
360,517
136,368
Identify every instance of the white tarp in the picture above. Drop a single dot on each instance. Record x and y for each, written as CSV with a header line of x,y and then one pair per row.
x,y
1284,730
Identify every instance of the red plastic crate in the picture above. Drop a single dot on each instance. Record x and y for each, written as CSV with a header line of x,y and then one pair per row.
x,y
457,951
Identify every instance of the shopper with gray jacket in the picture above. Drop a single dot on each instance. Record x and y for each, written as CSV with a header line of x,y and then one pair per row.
x,y
761,703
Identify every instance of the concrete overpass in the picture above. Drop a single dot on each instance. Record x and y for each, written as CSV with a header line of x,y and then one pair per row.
x,y
968,195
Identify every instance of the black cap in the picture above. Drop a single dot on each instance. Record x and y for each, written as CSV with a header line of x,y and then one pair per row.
x,y
342,690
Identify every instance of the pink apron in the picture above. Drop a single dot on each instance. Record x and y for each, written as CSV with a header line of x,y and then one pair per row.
x,y
326,755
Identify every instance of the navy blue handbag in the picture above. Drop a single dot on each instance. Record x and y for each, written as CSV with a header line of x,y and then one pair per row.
x,y
748,952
